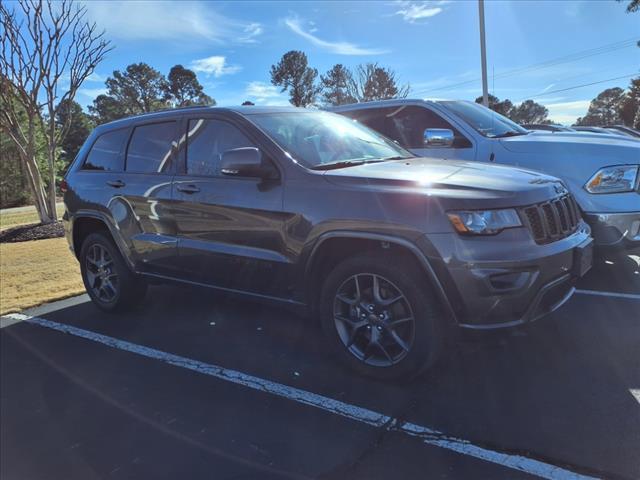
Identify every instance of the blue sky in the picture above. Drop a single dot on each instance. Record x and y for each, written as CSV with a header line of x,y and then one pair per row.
x,y
431,45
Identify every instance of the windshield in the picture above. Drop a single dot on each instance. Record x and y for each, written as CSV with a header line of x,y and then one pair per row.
x,y
487,122
315,139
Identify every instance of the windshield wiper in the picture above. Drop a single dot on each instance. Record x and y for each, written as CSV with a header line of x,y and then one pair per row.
x,y
397,157
348,163
510,133
340,164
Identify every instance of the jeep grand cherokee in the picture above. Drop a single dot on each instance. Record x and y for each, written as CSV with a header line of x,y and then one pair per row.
x,y
390,251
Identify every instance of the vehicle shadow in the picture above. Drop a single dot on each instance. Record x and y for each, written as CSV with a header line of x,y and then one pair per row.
x,y
613,273
559,390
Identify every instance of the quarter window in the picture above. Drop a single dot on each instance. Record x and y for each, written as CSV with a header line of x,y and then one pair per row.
x,y
105,152
151,147
207,139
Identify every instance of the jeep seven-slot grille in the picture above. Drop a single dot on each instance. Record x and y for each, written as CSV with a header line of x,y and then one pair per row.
x,y
553,220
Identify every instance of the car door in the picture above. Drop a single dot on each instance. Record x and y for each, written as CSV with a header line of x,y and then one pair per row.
x,y
406,125
142,207
230,228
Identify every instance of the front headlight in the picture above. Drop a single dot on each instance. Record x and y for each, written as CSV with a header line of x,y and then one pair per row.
x,y
619,179
484,222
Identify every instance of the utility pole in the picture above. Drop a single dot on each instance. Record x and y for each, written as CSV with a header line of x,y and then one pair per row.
x,y
483,55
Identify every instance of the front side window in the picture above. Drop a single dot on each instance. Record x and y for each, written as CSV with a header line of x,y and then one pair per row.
x,y
150,149
315,139
207,140
105,152
485,121
406,124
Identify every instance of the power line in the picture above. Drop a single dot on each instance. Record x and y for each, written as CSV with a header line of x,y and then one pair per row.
x,y
576,86
548,63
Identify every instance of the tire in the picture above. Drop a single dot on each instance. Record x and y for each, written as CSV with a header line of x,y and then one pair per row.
x,y
421,341
112,286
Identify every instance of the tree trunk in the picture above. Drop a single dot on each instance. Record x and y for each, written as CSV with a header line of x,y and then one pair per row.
x,y
37,189
53,213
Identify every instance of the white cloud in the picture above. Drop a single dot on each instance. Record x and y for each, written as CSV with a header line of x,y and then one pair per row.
x,y
251,31
96,77
92,93
339,48
413,12
567,112
215,65
169,20
264,94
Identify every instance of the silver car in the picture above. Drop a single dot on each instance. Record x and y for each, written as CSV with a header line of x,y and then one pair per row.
x,y
602,171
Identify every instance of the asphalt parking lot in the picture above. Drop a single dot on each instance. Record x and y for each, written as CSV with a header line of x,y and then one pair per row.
x,y
195,385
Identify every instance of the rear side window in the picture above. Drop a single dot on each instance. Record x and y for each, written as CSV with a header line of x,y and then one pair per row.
x,y
151,148
105,152
207,139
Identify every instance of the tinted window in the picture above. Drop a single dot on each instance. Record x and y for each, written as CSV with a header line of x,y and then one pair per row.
x,y
150,148
207,139
105,152
406,125
487,122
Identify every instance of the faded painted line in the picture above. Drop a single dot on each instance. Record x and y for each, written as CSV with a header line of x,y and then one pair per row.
x,y
636,393
427,435
599,293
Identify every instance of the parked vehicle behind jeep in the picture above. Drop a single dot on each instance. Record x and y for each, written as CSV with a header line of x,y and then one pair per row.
x,y
602,171
307,208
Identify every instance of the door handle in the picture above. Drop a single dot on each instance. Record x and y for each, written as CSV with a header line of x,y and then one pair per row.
x,y
189,189
116,183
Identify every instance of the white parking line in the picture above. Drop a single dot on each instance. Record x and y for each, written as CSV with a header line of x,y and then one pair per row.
x,y
428,435
600,293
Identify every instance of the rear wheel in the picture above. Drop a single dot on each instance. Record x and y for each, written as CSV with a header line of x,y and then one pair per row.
x,y
381,317
109,282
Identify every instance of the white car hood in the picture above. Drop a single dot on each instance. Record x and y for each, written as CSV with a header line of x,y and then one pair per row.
x,y
568,143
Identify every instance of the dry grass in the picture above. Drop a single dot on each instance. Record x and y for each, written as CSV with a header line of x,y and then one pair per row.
x,y
32,273
12,218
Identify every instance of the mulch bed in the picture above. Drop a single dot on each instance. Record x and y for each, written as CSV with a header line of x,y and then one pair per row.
x,y
35,231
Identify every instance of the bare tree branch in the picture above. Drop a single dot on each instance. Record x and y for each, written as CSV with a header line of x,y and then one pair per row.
x,y
45,56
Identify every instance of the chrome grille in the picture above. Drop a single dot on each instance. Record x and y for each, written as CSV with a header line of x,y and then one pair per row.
x,y
553,220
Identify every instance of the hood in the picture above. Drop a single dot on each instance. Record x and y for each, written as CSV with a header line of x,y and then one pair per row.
x,y
452,179
574,142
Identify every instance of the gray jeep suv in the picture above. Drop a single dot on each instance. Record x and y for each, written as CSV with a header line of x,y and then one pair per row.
x,y
316,211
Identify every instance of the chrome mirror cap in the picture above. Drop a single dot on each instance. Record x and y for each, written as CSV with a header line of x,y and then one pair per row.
x,y
438,137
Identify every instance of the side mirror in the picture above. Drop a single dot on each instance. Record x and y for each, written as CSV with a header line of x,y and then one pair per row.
x,y
438,137
246,162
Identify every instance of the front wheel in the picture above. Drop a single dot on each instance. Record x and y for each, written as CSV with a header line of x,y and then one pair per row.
x,y
109,282
381,317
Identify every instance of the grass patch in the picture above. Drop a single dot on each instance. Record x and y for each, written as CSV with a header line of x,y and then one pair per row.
x,y
12,218
33,273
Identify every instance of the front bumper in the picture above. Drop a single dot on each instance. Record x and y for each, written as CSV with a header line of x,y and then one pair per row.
x,y
615,230
507,280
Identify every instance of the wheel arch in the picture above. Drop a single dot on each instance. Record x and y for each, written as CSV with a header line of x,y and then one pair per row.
x,y
321,259
85,223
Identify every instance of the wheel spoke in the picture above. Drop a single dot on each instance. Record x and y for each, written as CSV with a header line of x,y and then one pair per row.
x,y
384,351
394,323
390,301
377,294
108,285
349,301
358,294
91,278
399,341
